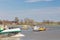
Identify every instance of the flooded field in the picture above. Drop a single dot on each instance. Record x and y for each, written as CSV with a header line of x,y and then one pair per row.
x,y
52,33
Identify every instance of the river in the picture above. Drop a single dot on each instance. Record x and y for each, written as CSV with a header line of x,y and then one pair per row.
x,y
52,33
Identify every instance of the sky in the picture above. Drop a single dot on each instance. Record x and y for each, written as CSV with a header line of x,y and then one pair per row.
x,y
38,10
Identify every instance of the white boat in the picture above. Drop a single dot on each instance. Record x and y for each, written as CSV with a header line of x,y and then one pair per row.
x,y
36,28
15,30
12,32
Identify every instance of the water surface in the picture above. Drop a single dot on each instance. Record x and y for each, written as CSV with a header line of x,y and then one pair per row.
x,y
52,33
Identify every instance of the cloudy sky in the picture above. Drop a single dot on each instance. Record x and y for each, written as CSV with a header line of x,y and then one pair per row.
x,y
38,10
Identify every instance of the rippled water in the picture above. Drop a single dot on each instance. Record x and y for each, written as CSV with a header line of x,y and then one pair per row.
x,y
52,33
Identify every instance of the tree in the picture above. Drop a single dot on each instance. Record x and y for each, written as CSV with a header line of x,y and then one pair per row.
x,y
29,21
16,20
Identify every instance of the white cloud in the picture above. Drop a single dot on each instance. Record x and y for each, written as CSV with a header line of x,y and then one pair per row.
x,y
36,0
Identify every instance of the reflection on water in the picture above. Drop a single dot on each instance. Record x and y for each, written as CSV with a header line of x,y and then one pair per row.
x,y
53,33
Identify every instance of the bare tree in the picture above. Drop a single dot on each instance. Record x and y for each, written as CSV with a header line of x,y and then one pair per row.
x,y
16,19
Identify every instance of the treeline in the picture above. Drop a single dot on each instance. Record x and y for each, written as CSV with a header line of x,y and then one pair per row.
x,y
27,21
